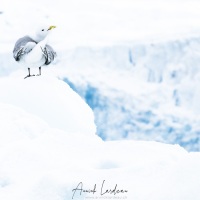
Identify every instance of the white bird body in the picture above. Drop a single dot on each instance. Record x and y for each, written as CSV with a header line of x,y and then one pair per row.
x,y
34,51
35,56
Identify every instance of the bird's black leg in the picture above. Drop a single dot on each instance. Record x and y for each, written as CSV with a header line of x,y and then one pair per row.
x,y
29,74
39,72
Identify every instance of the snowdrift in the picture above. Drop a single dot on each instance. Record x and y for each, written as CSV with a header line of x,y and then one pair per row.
x,y
50,99
42,159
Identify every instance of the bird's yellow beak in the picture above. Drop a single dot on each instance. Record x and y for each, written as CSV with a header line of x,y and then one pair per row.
x,y
51,27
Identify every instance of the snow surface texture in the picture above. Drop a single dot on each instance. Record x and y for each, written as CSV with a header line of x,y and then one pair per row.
x,y
50,101
45,161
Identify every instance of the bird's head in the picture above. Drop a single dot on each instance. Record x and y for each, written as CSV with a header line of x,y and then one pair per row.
x,y
43,31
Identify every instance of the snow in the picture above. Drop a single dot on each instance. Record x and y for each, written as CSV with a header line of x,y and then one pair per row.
x,y
40,162
47,98
135,67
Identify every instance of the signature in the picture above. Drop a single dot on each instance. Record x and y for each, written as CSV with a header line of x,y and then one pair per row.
x,y
113,191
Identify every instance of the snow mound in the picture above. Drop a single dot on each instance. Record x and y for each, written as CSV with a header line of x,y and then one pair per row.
x,y
43,163
51,100
16,124
41,159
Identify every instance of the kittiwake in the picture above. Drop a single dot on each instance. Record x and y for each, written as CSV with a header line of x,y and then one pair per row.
x,y
33,51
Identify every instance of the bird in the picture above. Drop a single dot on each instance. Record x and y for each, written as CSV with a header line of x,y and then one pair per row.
x,y
34,51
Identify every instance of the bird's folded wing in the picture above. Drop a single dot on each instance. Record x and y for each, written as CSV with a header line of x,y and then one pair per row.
x,y
20,45
49,54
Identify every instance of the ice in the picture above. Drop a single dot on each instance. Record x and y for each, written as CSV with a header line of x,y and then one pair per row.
x,y
47,163
139,91
47,98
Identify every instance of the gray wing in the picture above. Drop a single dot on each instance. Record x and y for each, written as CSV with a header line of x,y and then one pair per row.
x,y
49,54
19,49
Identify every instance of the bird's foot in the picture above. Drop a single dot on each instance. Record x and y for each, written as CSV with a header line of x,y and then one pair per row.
x,y
38,75
29,76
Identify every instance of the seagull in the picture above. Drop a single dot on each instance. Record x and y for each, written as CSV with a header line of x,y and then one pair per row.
x,y
33,51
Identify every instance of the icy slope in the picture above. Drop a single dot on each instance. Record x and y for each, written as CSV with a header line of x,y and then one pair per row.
x,y
48,98
38,162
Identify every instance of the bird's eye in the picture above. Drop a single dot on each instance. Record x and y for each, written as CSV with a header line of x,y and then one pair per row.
x,y
42,29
